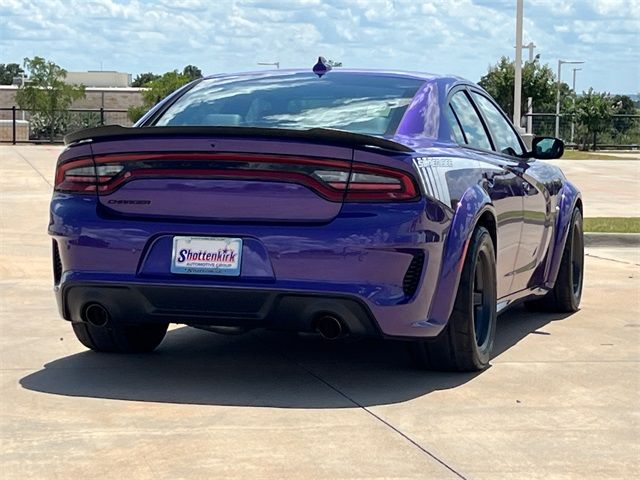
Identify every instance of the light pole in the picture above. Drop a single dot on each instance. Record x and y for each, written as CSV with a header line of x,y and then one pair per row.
x,y
573,126
560,63
276,64
517,87
531,47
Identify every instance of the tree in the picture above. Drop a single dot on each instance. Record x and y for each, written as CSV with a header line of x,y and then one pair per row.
x,y
156,90
623,105
163,86
192,72
47,94
538,82
8,72
142,79
592,113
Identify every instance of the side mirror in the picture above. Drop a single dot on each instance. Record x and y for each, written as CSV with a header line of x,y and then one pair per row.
x,y
546,148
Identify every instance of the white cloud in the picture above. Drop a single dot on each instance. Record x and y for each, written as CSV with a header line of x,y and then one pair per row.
x,y
446,36
618,8
557,7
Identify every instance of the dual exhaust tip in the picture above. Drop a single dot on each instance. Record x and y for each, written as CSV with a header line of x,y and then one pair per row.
x,y
328,326
95,314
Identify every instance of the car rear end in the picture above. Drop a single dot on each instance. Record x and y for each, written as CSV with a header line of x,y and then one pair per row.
x,y
242,227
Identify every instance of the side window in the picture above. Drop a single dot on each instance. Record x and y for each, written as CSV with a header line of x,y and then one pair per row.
x,y
456,130
504,136
472,127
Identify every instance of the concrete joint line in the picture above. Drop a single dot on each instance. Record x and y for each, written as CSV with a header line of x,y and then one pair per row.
x,y
34,168
381,420
611,259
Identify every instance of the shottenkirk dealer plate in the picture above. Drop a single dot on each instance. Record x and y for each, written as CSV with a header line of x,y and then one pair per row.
x,y
206,255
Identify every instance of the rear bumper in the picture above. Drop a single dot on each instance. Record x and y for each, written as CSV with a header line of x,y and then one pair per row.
x,y
384,259
206,306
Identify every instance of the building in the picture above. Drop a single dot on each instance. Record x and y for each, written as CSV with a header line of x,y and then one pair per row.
x,y
99,79
118,98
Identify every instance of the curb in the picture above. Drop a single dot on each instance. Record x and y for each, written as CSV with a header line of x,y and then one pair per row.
x,y
594,239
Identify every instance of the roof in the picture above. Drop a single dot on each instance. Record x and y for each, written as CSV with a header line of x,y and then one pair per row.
x,y
338,70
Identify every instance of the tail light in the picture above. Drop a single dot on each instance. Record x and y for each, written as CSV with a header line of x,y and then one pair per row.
x,y
370,183
334,180
82,176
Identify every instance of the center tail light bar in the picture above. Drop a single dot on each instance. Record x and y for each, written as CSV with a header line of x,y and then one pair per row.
x,y
334,180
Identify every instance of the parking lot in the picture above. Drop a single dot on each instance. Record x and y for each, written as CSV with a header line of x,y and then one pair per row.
x,y
559,401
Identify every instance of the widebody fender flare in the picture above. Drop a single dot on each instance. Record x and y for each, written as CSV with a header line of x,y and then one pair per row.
x,y
568,198
473,204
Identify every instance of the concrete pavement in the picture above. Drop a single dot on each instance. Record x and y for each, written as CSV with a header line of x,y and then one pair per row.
x,y
610,188
559,401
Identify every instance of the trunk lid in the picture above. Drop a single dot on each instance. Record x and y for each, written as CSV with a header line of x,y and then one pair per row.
x,y
220,179
235,173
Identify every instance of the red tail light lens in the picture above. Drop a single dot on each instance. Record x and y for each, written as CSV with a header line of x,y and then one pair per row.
x,y
371,183
76,176
335,180
82,176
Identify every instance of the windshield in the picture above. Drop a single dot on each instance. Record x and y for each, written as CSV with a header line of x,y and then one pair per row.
x,y
359,103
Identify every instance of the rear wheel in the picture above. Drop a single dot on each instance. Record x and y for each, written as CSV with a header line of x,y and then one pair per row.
x,y
467,340
567,291
120,338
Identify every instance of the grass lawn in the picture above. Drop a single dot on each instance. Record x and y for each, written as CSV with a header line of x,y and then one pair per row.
x,y
612,224
578,155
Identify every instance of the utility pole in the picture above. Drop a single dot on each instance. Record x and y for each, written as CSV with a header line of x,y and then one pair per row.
x,y
517,91
573,125
530,46
560,63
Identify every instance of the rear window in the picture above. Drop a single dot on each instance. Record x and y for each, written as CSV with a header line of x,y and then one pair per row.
x,y
358,103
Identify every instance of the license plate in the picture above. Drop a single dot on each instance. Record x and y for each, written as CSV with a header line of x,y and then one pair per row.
x,y
206,255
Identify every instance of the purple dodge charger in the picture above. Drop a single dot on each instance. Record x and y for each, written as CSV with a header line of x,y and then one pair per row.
x,y
345,202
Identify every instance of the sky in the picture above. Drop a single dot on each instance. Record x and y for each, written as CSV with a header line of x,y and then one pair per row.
x,y
461,37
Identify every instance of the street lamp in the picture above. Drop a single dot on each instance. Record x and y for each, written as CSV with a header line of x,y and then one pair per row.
x,y
573,126
531,47
560,63
276,64
517,83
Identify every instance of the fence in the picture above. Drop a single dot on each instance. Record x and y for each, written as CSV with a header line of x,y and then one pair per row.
x,y
620,132
25,126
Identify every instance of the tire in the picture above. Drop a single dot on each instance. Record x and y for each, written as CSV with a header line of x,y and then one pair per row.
x,y
567,291
120,338
467,341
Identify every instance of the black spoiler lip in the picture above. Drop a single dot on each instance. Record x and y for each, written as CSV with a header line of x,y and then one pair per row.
x,y
316,135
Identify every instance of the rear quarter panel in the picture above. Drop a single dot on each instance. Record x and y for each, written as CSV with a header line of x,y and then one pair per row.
x,y
454,180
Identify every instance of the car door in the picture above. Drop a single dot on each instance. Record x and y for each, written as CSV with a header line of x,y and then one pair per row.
x,y
535,231
500,182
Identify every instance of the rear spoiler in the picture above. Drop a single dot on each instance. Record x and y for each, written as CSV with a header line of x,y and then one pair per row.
x,y
315,135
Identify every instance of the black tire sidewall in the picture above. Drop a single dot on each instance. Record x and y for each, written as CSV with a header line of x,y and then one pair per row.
x,y
483,246
576,229
467,355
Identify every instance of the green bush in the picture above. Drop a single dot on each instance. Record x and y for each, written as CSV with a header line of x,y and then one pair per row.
x,y
136,113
